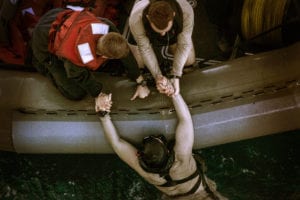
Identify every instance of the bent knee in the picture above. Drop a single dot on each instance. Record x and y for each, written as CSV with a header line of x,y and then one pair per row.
x,y
190,61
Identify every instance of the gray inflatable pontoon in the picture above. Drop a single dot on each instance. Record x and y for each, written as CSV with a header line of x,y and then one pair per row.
x,y
236,100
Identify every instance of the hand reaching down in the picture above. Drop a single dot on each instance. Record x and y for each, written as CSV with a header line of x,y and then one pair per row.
x,y
141,92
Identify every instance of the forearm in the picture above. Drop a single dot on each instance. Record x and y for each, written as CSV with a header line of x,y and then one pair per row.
x,y
181,108
123,149
150,60
139,34
110,131
184,48
146,51
184,39
180,58
184,134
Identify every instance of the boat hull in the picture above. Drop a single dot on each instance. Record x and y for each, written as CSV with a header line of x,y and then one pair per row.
x,y
240,99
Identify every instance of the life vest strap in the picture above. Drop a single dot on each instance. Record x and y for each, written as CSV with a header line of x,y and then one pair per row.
x,y
56,27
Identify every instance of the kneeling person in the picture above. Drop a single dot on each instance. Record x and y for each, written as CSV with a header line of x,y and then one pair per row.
x,y
69,45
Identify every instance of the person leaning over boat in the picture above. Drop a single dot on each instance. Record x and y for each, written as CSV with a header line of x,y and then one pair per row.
x,y
69,45
163,23
170,167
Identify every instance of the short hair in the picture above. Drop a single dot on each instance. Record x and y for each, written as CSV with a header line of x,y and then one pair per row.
x,y
160,13
155,152
113,45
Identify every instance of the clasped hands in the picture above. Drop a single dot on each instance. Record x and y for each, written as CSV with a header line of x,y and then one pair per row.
x,y
103,102
169,87
166,86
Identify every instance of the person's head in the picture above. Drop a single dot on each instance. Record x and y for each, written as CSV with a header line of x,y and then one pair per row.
x,y
155,153
113,46
160,15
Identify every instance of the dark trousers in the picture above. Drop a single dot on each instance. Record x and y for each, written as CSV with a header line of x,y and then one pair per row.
x,y
55,71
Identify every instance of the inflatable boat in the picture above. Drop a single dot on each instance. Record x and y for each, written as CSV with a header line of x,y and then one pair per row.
x,y
247,97
234,100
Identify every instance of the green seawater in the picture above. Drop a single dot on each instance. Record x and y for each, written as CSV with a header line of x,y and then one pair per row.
x,y
265,168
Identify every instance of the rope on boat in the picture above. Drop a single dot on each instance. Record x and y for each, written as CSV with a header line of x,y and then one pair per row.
x,y
259,16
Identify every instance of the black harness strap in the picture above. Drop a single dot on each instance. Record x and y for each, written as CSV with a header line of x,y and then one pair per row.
x,y
207,188
200,171
201,167
171,182
192,191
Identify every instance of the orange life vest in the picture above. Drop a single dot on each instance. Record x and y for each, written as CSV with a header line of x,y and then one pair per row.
x,y
73,36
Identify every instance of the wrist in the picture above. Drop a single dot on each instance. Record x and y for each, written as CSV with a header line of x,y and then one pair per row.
x,y
100,94
105,118
175,96
158,76
139,79
102,113
171,76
